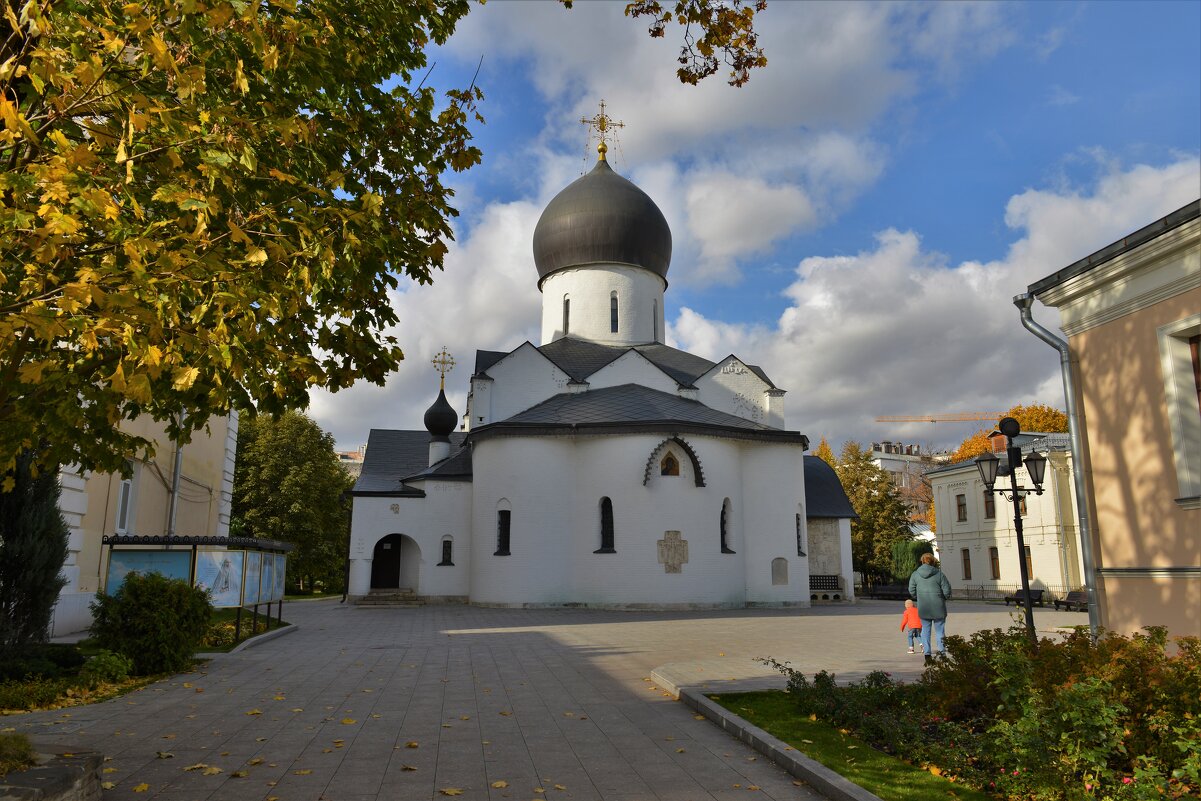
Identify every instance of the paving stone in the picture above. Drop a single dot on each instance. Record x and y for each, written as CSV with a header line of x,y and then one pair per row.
x,y
560,695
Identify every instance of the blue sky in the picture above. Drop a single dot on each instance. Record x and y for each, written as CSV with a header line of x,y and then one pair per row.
x,y
855,219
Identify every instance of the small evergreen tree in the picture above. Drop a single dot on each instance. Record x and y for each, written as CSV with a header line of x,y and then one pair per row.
x,y
883,517
33,548
906,555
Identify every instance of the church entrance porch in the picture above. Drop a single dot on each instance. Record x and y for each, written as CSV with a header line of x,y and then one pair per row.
x,y
395,564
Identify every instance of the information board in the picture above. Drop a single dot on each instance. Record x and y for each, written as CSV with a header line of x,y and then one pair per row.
x,y
172,564
281,565
254,572
220,572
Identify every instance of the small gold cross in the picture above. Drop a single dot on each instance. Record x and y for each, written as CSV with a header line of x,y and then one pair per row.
x,y
601,123
443,363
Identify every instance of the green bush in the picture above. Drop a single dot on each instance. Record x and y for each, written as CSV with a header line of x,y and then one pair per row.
x,y
47,660
105,667
1115,720
155,621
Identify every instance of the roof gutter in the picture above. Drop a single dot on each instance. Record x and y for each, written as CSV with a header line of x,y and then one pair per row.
x,y
1024,302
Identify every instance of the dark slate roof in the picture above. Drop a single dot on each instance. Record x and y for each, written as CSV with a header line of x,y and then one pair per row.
x,y
394,455
486,358
628,403
1124,245
580,359
456,467
602,218
824,495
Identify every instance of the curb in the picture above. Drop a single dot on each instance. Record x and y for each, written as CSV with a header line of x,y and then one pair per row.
x,y
818,776
266,636
60,775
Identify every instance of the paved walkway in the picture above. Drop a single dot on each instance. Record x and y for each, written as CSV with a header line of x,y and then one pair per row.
x,y
400,704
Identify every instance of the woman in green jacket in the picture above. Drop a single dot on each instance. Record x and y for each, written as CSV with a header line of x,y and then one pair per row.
x,y
932,590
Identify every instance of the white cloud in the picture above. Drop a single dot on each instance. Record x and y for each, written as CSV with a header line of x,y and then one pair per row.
x,y
801,130
486,298
1058,96
895,330
731,216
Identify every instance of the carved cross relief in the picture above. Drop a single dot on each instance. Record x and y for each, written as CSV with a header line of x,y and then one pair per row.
x,y
673,552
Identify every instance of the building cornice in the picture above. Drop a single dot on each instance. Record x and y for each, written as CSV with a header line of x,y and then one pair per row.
x,y
1134,280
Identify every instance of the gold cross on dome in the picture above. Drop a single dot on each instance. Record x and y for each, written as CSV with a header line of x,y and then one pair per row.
x,y
443,363
601,123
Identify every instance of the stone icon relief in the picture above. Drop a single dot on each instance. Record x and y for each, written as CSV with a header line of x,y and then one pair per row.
x,y
673,552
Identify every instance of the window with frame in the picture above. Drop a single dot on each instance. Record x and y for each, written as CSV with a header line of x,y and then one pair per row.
x,y
606,521
613,313
670,465
1022,506
961,508
124,504
447,553
994,563
566,315
800,536
1180,364
1029,562
966,555
504,519
990,506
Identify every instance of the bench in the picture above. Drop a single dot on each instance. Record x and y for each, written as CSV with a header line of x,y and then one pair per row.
x,y
889,592
1019,597
1076,599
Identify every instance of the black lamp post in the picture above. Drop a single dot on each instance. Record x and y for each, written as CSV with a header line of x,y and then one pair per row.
x,y
989,467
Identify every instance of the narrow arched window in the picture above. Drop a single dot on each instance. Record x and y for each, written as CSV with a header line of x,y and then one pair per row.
x,y
670,466
447,553
606,521
566,315
725,526
800,537
503,521
655,320
613,312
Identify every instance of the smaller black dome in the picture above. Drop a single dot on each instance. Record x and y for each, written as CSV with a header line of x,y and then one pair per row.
x,y
441,419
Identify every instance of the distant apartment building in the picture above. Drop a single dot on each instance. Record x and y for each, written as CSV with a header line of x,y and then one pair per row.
x,y
100,504
907,465
976,534
352,461
1132,316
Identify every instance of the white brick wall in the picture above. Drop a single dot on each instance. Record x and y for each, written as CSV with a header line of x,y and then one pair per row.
x,y
639,304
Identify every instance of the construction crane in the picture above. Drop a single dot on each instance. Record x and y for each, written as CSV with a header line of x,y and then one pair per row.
x,y
952,417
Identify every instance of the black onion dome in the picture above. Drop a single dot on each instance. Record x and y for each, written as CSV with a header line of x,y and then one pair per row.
x,y
602,217
441,418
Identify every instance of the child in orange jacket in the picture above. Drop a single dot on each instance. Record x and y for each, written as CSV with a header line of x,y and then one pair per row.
x,y
911,624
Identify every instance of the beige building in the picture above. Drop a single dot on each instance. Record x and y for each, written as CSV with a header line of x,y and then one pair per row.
x,y
99,504
976,534
1132,315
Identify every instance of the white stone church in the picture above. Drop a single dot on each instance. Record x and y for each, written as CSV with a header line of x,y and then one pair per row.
x,y
602,467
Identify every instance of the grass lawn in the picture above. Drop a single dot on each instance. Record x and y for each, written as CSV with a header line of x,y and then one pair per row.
x,y
222,626
877,772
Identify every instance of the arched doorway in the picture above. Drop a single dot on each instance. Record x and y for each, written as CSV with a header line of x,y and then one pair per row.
x,y
385,563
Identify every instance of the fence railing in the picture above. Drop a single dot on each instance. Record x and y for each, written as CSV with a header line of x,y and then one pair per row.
x,y
994,592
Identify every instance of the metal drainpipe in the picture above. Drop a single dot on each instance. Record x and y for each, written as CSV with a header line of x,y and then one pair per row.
x,y
1024,302
176,474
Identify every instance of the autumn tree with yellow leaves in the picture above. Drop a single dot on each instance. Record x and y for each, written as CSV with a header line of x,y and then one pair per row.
x,y
1037,417
204,204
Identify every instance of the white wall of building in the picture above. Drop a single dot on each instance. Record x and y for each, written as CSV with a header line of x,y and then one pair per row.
x,y
1048,528
590,288
632,368
733,388
522,379
445,511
